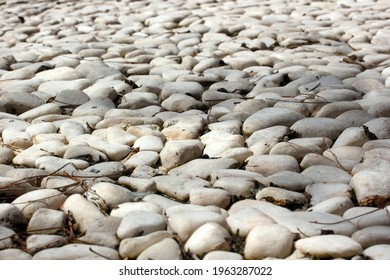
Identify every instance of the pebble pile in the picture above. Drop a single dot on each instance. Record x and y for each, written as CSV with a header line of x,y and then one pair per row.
x,y
199,129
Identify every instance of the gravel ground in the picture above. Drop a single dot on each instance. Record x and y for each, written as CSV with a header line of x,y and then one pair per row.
x,y
195,129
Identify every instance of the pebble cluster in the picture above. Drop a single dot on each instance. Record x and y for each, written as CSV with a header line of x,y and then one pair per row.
x,y
199,129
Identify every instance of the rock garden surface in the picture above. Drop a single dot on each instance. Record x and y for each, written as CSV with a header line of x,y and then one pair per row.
x,y
198,129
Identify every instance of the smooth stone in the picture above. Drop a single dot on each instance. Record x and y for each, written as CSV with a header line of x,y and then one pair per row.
x,y
143,130
327,174
334,205
138,184
271,164
288,180
371,236
54,87
313,159
149,143
185,223
222,255
6,235
77,252
208,237
181,103
46,221
14,254
132,247
329,246
142,158
378,252
193,89
16,138
59,73
95,70
112,169
292,149
57,165
85,152
333,110
138,100
345,152
377,152
355,118
6,155
20,102
323,191
34,200
179,186
230,126
268,240
268,117
103,232
282,197
126,122
184,129
166,249
274,133
337,95
178,152
72,129
244,220
116,135
380,127
115,152
138,223
265,207
365,216
210,196
239,187
41,128
108,195
95,106
319,127
123,209
233,174
352,136
144,171
250,106
370,188
11,216
314,223
203,168
84,212
39,242
71,98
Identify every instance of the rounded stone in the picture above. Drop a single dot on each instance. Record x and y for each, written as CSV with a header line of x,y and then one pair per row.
x,y
208,237
329,246
270,240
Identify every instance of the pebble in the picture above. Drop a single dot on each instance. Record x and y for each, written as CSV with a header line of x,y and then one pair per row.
x,y
208,237
46,221
185,223
30,202
371,236
5,235
269,240
370,188
166,249
140,222
132,247
269,117
282,197
377,252
363,217
329,246
14,254
108,195
270,164
179,186
77,252
244,220
38,242
319,127
11,216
